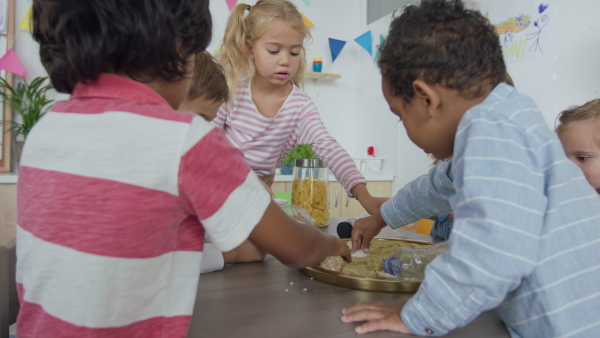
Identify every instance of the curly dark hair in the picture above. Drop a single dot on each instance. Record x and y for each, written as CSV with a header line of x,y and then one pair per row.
x,y
441,42
144,39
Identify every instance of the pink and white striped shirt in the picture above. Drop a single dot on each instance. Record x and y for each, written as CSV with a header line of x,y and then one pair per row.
x,y
267,141
115,193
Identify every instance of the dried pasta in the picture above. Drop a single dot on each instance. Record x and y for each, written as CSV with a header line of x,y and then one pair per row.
x,y
311,195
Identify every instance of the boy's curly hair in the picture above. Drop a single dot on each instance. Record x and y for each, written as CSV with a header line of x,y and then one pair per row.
x,y
143,39
441,42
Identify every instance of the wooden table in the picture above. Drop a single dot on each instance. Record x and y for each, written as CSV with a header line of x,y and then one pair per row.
x,y
269,299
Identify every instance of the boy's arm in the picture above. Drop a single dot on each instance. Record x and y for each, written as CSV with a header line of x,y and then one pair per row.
x,y
424,197
295,244
499,209
219,188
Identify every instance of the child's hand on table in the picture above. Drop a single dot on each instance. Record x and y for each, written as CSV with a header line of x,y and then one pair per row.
x,y
364,230
379,316
246,252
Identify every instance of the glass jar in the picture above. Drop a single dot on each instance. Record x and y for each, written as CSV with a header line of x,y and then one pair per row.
x,y
310,189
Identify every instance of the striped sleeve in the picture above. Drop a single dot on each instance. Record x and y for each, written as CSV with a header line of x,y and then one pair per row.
x,y
500,200
312,131
232,199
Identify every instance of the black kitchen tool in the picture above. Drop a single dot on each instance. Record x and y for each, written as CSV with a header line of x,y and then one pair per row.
x,y
344,230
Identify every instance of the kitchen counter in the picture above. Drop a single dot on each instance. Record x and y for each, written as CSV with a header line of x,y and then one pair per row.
x,y
9,178
250,300
369,176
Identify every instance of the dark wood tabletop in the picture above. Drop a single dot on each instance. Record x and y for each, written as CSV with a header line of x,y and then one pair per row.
x,y
268,299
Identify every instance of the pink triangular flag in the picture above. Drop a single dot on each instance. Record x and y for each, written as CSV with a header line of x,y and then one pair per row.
x,y
231,4
10,62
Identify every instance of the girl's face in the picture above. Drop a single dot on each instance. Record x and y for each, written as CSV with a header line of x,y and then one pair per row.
x,y
582,149
276,54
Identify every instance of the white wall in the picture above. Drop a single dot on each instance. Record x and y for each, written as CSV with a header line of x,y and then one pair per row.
x,y
353,108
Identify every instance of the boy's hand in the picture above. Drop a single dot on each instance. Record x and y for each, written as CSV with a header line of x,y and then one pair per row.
x,y
342,249
364,230
379,316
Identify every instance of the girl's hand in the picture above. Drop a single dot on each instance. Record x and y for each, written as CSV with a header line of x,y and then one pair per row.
x,y
370,203
364,230
379,316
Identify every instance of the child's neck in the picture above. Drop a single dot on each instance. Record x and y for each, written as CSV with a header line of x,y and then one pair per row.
x,y
269,98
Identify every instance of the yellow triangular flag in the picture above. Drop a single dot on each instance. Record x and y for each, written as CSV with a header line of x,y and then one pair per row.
x,y
26,22
307,22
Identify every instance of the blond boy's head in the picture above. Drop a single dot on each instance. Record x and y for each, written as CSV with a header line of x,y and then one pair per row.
x,y
209,88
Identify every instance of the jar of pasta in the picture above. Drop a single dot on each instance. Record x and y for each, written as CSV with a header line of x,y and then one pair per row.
x,y
310,189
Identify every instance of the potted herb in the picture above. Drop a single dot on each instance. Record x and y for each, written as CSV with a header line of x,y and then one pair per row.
x,y
301,151
29,103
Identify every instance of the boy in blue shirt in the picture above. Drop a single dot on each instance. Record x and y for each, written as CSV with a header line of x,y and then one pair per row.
x,y
526,235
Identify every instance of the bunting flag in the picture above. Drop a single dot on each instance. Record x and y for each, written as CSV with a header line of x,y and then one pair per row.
x,y
366,42
231,4
381,42
10,62
307,2
26,22
336,47
307,22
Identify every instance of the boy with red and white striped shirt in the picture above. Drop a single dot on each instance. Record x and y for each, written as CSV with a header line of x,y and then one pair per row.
x,y
117,189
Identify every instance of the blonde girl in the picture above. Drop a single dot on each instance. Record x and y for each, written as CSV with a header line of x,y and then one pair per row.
x,y
264,60
579,133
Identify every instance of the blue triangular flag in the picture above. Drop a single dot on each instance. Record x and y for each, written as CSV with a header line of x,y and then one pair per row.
x,y
365,42
381,42
336,47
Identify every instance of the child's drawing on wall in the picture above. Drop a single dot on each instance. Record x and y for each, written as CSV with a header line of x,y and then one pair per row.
x,y
523,27
539,24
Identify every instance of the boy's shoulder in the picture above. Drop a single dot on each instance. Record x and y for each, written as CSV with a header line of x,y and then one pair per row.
x,y
505,103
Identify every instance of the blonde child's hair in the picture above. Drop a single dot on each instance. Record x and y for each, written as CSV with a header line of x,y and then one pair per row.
x,y
589,111
208,81
242,29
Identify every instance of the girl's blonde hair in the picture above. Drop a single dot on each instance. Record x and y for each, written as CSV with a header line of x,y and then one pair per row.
x,y
242,29
589,111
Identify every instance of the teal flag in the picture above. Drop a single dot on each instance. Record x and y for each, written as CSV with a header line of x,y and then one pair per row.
x,y
366,42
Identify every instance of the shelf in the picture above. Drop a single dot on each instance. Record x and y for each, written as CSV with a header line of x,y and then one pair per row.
x,y
321,76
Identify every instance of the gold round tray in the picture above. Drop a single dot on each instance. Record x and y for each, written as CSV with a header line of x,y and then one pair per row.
x,y
363,282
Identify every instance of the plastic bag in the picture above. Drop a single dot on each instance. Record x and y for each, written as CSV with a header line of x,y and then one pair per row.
x,y
410,263
298,213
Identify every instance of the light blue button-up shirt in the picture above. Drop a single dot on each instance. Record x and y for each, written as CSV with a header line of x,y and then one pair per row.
x,y
526,236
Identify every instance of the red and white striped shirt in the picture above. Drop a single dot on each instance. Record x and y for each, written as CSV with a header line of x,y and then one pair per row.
x,y
267,141
115,193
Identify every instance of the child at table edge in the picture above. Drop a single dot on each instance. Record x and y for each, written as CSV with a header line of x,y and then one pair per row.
x,y
526,239
117,189
579,133
208,91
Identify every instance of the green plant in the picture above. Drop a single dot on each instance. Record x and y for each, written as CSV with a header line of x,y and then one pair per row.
x,y
301,151
28,100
